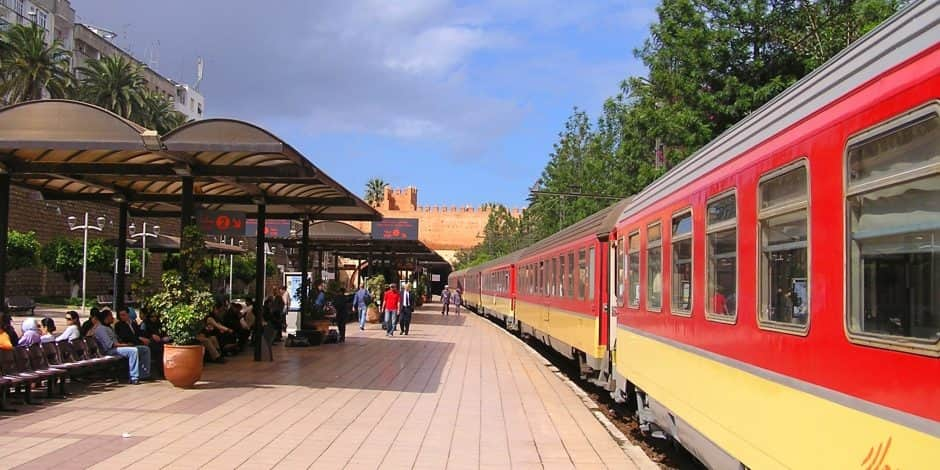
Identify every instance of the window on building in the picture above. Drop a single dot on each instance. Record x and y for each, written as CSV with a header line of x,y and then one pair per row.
x,y
654,267
682,263
633,270
590,274
784,249
619,271
42,18
722,253
571,275
894,232
18,6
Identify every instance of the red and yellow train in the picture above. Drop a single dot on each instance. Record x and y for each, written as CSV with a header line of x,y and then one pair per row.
x,y
773,301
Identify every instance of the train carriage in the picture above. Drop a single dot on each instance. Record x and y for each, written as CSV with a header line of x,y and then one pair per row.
x,y
497,290
780,290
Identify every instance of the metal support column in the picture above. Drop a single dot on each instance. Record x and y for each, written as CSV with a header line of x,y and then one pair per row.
x,y
186,218
260,270
4,227
320,263
304,264
121,256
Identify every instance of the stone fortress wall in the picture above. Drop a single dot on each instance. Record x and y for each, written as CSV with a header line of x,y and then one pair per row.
x,y
444,229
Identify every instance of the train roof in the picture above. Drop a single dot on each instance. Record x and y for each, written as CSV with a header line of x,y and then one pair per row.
x,y
598,224
906,34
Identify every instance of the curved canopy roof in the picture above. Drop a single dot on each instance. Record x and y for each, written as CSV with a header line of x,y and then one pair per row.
x,y
76,151
349,242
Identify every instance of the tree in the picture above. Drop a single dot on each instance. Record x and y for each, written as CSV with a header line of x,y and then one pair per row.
x,y
113,83
29,67
375,191
156,112
64,256
22,250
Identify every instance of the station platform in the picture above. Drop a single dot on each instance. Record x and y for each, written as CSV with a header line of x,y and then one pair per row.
x,y
457,392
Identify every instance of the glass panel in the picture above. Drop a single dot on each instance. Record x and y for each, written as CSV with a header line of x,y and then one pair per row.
x,y
722,210
784,274
913,146
682,275
571,275
619,272
722,272
654,277
562,275
582,274
895,260
554,277
590,274
653,233
633,271
785,188
682,224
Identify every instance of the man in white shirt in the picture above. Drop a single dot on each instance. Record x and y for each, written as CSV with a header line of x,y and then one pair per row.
x,y
407,307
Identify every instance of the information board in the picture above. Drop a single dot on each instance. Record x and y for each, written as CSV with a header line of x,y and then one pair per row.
x,y
274,228
395,229
221,222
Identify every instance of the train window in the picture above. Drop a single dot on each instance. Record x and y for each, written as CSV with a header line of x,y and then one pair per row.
x,y
784,237
561,276
721,248
590,274
633,270
619,271
571,275
582,274
894,234
682,263
654,267
546,277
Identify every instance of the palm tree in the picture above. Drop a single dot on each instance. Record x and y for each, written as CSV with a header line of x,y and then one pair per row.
x,y
28,67
375,191
114,83
157,113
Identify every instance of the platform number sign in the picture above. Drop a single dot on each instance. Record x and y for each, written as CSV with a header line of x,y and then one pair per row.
x,y
222,222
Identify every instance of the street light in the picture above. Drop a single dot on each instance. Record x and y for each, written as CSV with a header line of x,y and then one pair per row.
x,y
231,265
73,221
268,250
132,228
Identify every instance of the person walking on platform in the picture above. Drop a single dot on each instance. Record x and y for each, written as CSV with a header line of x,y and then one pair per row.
x,y
342,316
456,299
406,309
445,301
361,305
391,309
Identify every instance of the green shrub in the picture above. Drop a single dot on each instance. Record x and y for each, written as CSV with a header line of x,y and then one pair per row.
x,y
22,250
182,307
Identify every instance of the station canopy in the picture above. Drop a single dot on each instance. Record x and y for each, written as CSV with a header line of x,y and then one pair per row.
x,y
349,242
75,151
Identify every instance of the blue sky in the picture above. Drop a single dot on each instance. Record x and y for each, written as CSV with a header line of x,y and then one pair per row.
x,y
461,99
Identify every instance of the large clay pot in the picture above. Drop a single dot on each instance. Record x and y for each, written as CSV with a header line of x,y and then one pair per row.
x,y
182,365
373,315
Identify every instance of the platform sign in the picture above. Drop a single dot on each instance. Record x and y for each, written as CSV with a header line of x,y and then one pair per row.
x,y
221,222
395,229
274,228
435,278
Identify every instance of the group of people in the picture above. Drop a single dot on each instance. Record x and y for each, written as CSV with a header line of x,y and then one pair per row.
x,y
399,307
449,298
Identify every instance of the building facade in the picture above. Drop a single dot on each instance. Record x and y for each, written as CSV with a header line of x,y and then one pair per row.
x,y
93,43
445,230
57,17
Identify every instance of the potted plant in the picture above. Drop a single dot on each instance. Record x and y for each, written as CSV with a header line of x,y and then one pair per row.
x,y
183,311
183,306
376,287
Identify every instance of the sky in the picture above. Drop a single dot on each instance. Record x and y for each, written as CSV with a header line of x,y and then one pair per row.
x,y
462,99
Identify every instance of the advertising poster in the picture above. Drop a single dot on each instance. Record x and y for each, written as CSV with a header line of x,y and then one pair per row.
x,y
293,281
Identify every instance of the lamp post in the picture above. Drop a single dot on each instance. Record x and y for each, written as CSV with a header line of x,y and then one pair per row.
x,y
132,228
231,266
268,250
72,220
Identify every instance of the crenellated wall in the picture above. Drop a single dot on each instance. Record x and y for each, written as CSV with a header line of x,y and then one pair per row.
x,y
445,229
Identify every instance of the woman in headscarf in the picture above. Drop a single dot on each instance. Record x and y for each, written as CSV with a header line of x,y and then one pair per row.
x,y
31,334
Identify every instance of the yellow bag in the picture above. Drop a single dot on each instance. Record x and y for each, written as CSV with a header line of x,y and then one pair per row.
x,y
5,341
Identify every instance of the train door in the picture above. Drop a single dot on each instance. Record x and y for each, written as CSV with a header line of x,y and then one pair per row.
x,y
614,279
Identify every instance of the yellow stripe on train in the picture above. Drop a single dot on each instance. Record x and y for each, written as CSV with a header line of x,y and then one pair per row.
x,y
766,424
579,331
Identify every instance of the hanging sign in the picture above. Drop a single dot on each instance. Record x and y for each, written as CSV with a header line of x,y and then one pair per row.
x,y
272,228
395,229
221,222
